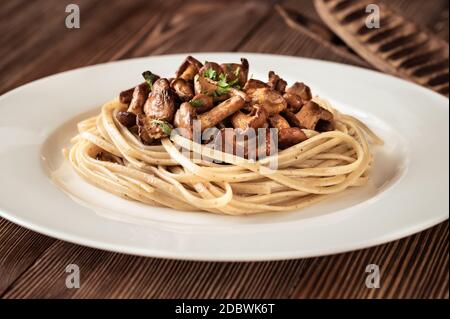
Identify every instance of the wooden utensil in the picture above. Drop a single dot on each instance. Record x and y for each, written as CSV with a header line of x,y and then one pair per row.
x,y
398,47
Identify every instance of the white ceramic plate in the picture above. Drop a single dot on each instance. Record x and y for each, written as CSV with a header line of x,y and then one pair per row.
x,y
408,191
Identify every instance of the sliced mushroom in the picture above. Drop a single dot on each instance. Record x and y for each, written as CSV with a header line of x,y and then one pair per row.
x,y
270,99
301,90
312,116
202,103
184,119
210,70
221,112
126,96
140,95
186,114
150,129
235,71
127,119
257,118
288,137
278,122
160,104
210,87
294,102
276,83
188,69
291,118
253,84
183,89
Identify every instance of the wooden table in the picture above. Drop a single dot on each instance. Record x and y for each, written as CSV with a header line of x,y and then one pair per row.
x,y
35,43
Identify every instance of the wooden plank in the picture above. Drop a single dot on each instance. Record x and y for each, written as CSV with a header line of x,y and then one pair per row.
x,y
413,267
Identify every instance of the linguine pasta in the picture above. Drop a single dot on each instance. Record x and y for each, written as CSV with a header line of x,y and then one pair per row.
x,y
169,175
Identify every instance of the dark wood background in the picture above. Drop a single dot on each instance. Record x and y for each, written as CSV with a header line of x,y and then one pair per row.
x,y
34,42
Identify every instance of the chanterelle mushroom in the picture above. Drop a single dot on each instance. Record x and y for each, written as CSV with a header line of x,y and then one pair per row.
x,y
270,99
257,118
312,116
276,83
159,110
140,94
288,137
234,71
297,95
211,70
220,90
182,88
160,104
186,114
188,69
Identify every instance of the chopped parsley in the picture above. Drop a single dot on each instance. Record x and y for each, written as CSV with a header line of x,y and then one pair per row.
x,y
210,73
196,103
223,87
149,78
165,126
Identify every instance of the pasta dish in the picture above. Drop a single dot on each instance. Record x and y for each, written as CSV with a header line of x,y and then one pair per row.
x,y
214,139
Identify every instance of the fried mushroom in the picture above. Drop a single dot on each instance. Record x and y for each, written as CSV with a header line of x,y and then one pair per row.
x,y
234,71
257,118
188,69
276,83
312,116
290,136
183,89
270,99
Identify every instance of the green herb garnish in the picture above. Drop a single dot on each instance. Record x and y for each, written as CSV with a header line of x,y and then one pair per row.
x,y
223,86
165,126
149,78
196,103
210,73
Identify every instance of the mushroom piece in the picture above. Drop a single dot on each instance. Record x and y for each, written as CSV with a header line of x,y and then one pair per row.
x,y
186,114
188,69
159,110
221,112
210,70
255,119
140,94
252,85
270,99
182,88
288,137
231,141
204,85
294,102
202,103
291,118
312,116
234,71
278,122
276,83
184,119
301,90
150,129
160,104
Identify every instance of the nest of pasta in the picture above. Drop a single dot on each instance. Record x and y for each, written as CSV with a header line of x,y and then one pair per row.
x,y
212,139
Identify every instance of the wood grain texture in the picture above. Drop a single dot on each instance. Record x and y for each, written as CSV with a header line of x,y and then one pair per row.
x,y
33,266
